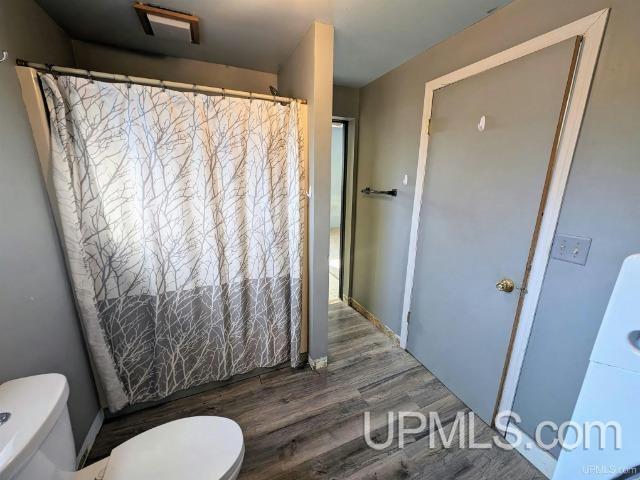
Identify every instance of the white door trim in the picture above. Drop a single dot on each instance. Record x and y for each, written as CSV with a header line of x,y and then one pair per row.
x,y
529,449
591,29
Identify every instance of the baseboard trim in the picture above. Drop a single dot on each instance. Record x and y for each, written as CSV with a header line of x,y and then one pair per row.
x,y
529,449
318,364
89,439
358,307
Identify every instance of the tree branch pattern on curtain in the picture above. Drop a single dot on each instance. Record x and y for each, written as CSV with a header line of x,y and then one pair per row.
x,y
182,222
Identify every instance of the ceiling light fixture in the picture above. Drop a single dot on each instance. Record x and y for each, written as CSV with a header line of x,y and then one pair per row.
x,y
166,23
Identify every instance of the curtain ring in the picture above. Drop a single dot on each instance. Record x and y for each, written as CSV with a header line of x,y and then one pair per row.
x,y
50,71
250,97
164,87
195,90
89,76
129,82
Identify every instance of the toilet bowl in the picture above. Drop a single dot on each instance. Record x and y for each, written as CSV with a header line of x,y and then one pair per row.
x,y
36,441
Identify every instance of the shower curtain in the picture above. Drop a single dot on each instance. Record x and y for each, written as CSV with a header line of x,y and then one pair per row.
x,y
182,223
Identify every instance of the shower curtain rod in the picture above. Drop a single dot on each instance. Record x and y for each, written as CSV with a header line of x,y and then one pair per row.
x,y
114,77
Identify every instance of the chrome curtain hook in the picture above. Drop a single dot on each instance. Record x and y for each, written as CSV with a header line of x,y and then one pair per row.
x,y
4,57
89,76
129,82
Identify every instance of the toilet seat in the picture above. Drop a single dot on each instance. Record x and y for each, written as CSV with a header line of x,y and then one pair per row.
x,y
198,448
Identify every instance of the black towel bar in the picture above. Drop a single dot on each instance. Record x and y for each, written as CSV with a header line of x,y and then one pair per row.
x,y
370,191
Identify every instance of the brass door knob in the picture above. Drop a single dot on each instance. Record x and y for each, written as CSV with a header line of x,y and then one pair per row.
x,y
506,285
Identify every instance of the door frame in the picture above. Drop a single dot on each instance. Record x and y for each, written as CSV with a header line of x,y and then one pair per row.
x,y
343,202
347,222
591,29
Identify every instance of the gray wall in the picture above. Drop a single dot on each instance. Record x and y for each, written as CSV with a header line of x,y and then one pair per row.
x,y
346,101
39,331
308,73
602,199
113,60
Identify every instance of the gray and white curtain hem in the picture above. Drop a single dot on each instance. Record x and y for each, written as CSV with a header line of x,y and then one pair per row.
x,y
182,223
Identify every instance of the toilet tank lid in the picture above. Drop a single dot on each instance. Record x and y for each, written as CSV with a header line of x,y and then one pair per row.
x,y
31,408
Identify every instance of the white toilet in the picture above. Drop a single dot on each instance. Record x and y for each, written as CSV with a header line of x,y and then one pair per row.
x,y
36,441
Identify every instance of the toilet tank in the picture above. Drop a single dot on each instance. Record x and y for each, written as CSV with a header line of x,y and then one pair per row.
x,y
35,431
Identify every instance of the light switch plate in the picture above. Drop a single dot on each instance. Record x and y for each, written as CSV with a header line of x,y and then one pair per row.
x,y
571,248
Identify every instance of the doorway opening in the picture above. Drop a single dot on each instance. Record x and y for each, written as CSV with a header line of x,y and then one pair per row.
x,y
337,208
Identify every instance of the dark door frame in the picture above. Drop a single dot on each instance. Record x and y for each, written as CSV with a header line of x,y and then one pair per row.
x,y
343,202
343,205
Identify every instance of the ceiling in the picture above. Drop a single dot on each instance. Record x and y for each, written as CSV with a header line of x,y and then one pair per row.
x,y
371,36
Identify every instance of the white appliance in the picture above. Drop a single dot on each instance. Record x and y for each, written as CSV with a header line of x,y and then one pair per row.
x,y
36,441
611,391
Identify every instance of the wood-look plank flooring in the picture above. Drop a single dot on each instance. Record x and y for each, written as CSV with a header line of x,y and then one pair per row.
x,y
301,424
